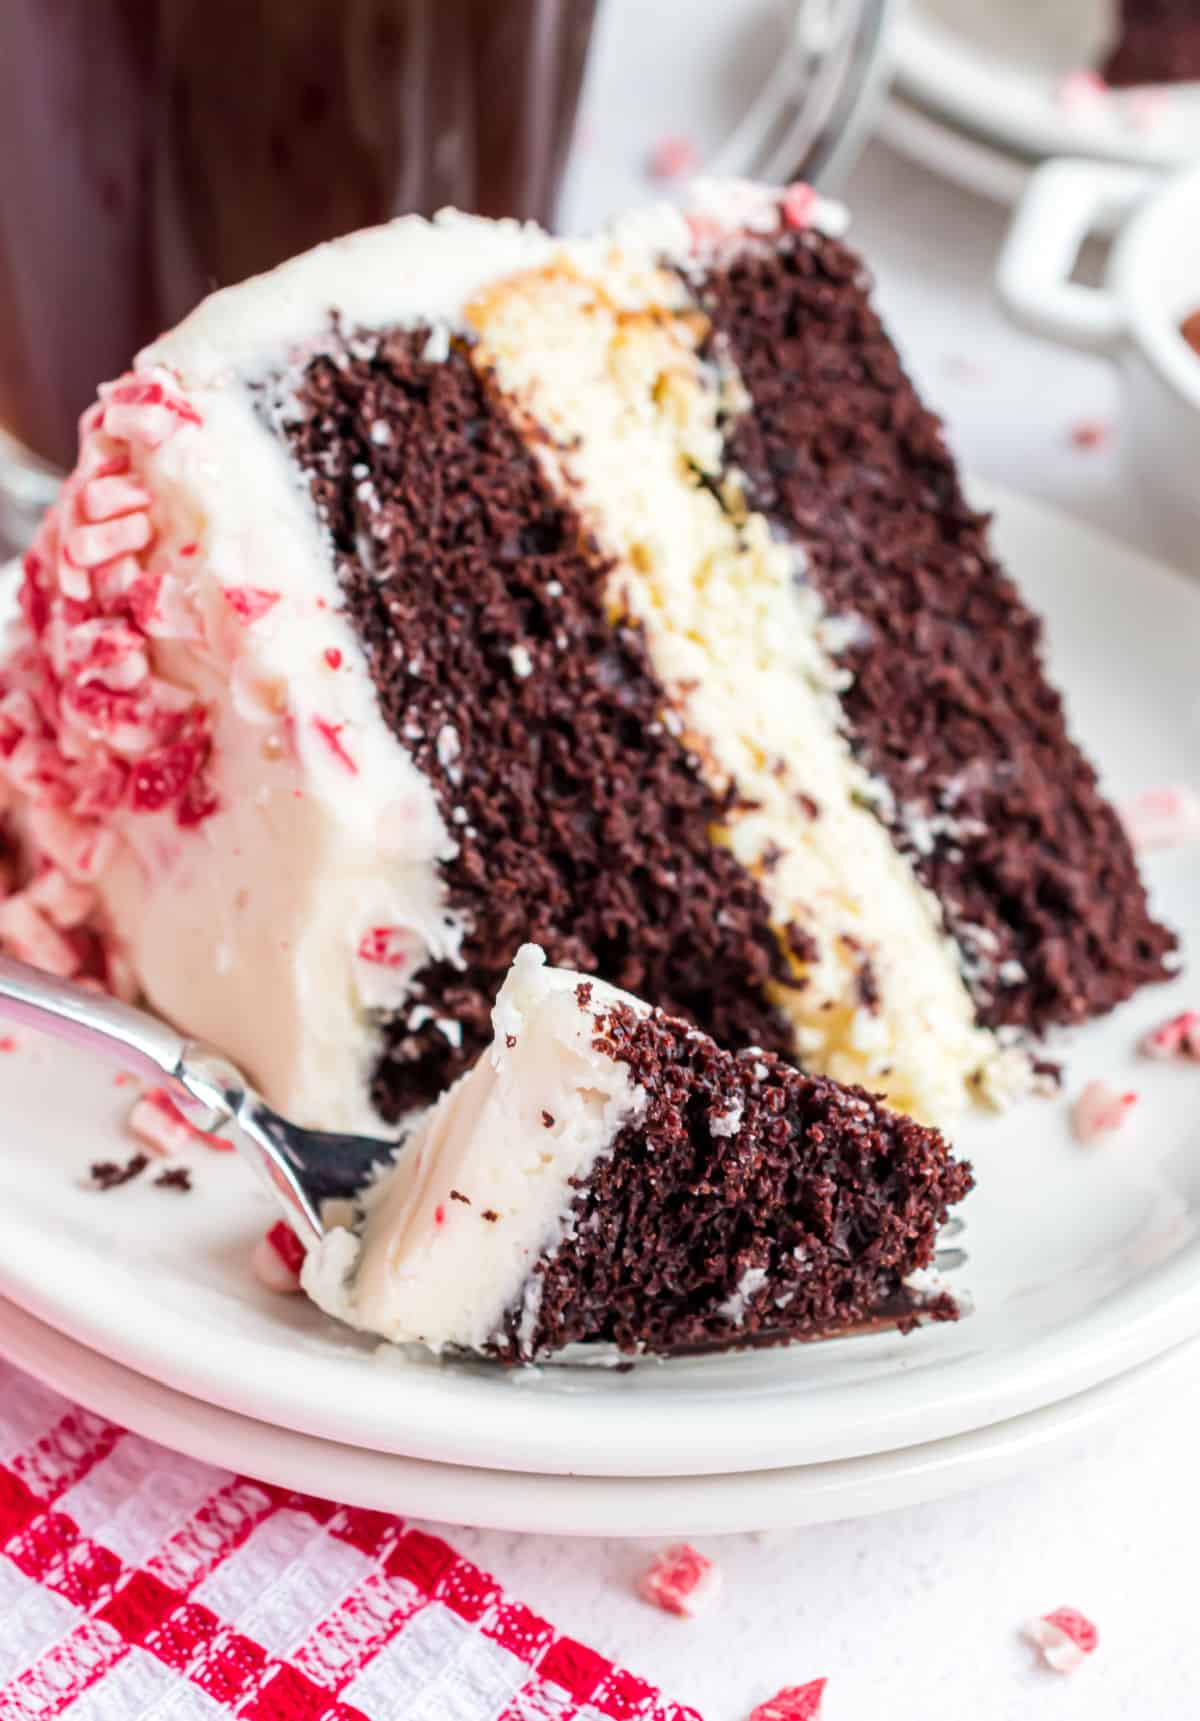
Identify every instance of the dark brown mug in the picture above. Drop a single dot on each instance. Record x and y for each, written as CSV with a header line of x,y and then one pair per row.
x,y
151,150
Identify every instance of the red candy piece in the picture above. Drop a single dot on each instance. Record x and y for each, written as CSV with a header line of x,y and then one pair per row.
x,y
681,1581
158,1122
673,158
330,733
286,1245
161,779
1178,1037
278,1259
333,657
1163,818
1100,1110
794,1703
797,204
386,945
1065,1638
1090,433
249,603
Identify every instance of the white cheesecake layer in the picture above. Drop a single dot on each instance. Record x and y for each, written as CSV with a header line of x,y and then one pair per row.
x,y
743,651
447,1239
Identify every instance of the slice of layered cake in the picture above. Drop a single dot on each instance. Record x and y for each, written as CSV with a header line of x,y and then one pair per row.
x,y
454,586
607,1174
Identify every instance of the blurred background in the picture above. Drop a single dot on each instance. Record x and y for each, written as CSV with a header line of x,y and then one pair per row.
x,y
153,149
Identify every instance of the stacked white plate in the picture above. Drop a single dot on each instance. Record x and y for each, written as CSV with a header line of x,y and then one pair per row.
x,y
1083,1270
984,92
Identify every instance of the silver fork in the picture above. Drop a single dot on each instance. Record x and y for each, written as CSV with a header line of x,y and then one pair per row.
x,y
302,1167
812,114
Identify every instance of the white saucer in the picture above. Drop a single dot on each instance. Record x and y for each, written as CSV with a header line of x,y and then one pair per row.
x,y
579,1505
977,164
996,71
1083,1264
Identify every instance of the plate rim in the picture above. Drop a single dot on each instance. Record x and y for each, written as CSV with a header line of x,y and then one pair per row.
x,y
579,1506
1033,138
442,1409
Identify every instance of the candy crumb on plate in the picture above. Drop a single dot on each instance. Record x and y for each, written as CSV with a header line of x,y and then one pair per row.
x,y
794,1703
156,1120
1177,1037
673,158
277,1259
681,1581
1064,1638
1091,433
1099,1110
1163,818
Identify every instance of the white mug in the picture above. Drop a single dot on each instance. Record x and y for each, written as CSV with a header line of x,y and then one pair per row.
x,y
1152,284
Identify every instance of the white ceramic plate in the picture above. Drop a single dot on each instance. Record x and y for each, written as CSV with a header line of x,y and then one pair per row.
x,y
996,70
1082,1263
977,164
657,1506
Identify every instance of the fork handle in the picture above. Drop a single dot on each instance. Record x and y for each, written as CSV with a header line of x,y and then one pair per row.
x,y
74,1013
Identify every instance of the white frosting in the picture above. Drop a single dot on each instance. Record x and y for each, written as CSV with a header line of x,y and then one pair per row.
x,y
245,930
512,1136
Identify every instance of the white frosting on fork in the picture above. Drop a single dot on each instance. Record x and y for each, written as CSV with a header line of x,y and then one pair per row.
x,y
447,1240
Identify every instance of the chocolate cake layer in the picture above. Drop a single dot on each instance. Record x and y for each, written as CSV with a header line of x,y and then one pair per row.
x,y
1158,43
997,810
581,820
745,1204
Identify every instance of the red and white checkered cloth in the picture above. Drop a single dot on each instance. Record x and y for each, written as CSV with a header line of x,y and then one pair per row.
x,y
137,1585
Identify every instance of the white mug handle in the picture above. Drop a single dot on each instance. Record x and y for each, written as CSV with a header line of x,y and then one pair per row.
x,y
1064,202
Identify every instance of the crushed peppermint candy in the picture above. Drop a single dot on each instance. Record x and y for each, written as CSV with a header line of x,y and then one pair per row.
x,y
387,946
1082,92
797,204
331,734
87,725
1065,1638
156,1120
1162,818
1091,433
681,1581
278,1258
1100,1110
1177,1037
249,603
793,1703
673,158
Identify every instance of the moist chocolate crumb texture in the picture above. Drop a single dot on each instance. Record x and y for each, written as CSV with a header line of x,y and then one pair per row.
x,y
680,1198
454,585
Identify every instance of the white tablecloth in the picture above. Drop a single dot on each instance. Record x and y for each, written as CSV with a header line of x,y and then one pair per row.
x,y
917,1613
